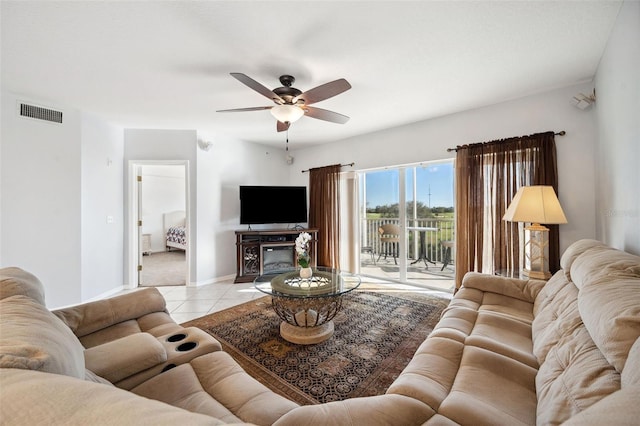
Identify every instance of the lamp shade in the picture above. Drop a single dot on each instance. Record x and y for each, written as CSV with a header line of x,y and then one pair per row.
x,y
535,204
287,113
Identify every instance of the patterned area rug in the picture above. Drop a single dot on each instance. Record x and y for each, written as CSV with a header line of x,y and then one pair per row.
x,y
375,337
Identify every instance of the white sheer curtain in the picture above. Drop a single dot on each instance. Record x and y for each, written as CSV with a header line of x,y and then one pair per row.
x,y
349,232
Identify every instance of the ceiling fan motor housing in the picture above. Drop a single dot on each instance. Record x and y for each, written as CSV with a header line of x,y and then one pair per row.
x,y
287,80
287,93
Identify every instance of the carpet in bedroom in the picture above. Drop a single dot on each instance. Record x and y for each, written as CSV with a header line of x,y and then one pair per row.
x,y
375,337
164,268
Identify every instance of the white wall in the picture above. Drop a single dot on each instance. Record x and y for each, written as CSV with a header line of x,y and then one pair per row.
x,y
428,140
41,198
163,191
618,145
57,190
221,170
102,146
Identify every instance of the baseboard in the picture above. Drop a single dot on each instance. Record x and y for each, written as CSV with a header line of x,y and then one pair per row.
x,y
212,280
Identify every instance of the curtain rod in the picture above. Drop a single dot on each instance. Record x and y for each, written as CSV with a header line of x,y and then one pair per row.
x,y
560,133
341,165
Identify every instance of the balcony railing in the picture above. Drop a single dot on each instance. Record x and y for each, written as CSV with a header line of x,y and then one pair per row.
x,y
435,251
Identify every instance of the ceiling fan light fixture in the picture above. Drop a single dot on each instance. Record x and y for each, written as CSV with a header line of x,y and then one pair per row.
x,y
287,113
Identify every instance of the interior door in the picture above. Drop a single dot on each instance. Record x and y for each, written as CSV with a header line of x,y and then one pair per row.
x,y
139,221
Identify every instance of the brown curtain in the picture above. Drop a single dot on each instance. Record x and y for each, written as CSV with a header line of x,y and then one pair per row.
x,y
487,177
324,212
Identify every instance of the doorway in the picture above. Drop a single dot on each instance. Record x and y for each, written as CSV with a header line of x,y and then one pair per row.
x,y
418,201
159,252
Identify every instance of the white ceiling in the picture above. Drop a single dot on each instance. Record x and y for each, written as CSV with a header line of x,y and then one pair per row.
x,y
167,64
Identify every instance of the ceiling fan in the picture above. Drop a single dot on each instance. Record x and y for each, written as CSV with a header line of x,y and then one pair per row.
x,y
291,103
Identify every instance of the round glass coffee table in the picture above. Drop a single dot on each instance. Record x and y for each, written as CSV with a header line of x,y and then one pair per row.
x,y
307,306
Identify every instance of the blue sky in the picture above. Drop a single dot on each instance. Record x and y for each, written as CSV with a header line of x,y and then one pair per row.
x,y
382,186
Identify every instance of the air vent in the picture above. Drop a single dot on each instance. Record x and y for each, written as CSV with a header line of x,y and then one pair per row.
x,y
40,113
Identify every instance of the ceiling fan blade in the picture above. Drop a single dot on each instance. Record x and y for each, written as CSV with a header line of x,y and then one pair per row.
x,y
245,109
281,127
326,115
248,81
325,91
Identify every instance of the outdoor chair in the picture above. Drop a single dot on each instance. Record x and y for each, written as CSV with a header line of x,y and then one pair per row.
x,y
448,248
390,240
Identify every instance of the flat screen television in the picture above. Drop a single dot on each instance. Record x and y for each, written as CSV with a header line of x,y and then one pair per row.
x,y
273,204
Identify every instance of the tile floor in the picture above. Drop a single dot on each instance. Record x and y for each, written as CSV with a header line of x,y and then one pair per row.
x,y
187,303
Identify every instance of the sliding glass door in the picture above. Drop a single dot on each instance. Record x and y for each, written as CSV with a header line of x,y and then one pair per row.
x,y
423,252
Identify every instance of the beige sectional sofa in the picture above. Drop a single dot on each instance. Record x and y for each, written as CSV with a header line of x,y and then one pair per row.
x,y
505,352
113,361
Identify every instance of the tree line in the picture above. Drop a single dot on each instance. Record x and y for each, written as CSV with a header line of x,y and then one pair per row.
x,y
423,211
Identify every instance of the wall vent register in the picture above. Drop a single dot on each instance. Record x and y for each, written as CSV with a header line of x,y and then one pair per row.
x,y
40,113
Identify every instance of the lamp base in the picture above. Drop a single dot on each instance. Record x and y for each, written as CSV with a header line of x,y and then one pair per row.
x,y
536,274
536,252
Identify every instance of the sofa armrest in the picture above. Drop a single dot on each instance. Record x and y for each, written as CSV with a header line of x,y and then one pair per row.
x,y
121,358
526,290
93,316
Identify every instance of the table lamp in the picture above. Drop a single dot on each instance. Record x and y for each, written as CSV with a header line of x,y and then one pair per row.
x,y
537,205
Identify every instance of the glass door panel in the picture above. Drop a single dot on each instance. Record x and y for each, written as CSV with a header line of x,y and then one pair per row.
x,y
430,221
379,205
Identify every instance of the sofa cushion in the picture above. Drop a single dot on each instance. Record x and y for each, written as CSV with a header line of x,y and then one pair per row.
x,y
574,251
504,335
604,262
573,377
609,300
431,372
33,338
214,384
15,281
548,293
631,373
619,408
180,387
37,398
612,317
556,320
491,389
228,383
514,288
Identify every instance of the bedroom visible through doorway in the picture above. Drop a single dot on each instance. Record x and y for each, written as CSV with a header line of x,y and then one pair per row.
x,y
162,211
